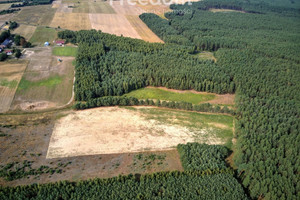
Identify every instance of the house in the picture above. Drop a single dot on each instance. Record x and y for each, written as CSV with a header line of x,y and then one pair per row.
x,y
8,52
46,44
60,42
6,43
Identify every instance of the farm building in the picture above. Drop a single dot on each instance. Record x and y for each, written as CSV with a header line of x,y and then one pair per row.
x,y
8,52
6,43
60,42
46,44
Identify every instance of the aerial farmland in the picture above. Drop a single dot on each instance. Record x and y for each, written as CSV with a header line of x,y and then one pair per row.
x,y
138,99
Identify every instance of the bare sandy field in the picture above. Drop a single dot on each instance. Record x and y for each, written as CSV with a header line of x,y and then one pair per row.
x,y
117,130
114,24
10,76
72,21
142,29
25,30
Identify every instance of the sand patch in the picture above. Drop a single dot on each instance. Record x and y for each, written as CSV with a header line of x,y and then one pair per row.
x,y
117,130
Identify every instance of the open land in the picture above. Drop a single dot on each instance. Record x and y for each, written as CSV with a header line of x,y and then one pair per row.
x,y
35,15
46,83
30,142
96,131
25,30
10,75
190,96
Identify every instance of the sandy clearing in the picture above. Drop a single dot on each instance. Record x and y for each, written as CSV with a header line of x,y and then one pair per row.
x,y
116,130
10,72
71,21
142,29
116,24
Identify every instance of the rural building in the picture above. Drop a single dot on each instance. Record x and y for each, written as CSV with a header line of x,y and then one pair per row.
x,y
60,42
6,43
8,52
46,44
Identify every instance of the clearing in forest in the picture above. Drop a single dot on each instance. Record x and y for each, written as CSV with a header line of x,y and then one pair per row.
x,y
215,10
96,131
11,73
169,95
190,96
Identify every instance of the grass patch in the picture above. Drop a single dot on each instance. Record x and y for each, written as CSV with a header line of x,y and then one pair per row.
x,y
43,34
65,51
205,55
156,93
10,84
50,82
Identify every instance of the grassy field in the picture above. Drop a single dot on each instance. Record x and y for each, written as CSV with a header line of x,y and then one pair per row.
x,y
100,7
156,93
5,6
82,7
11,73
205,55
42,35
35,15
65,51
25,30
71,21
49,82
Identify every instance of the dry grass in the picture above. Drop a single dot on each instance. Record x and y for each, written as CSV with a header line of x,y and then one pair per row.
x,y
11,73
96,131
5,6
25,30
72,21
114,24
142,29
100,7
36,15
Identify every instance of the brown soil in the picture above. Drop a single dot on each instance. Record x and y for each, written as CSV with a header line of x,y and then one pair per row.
x,y
33,139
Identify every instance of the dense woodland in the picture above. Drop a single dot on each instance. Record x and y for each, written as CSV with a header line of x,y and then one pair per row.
x,y
108,65
259,49
210,182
